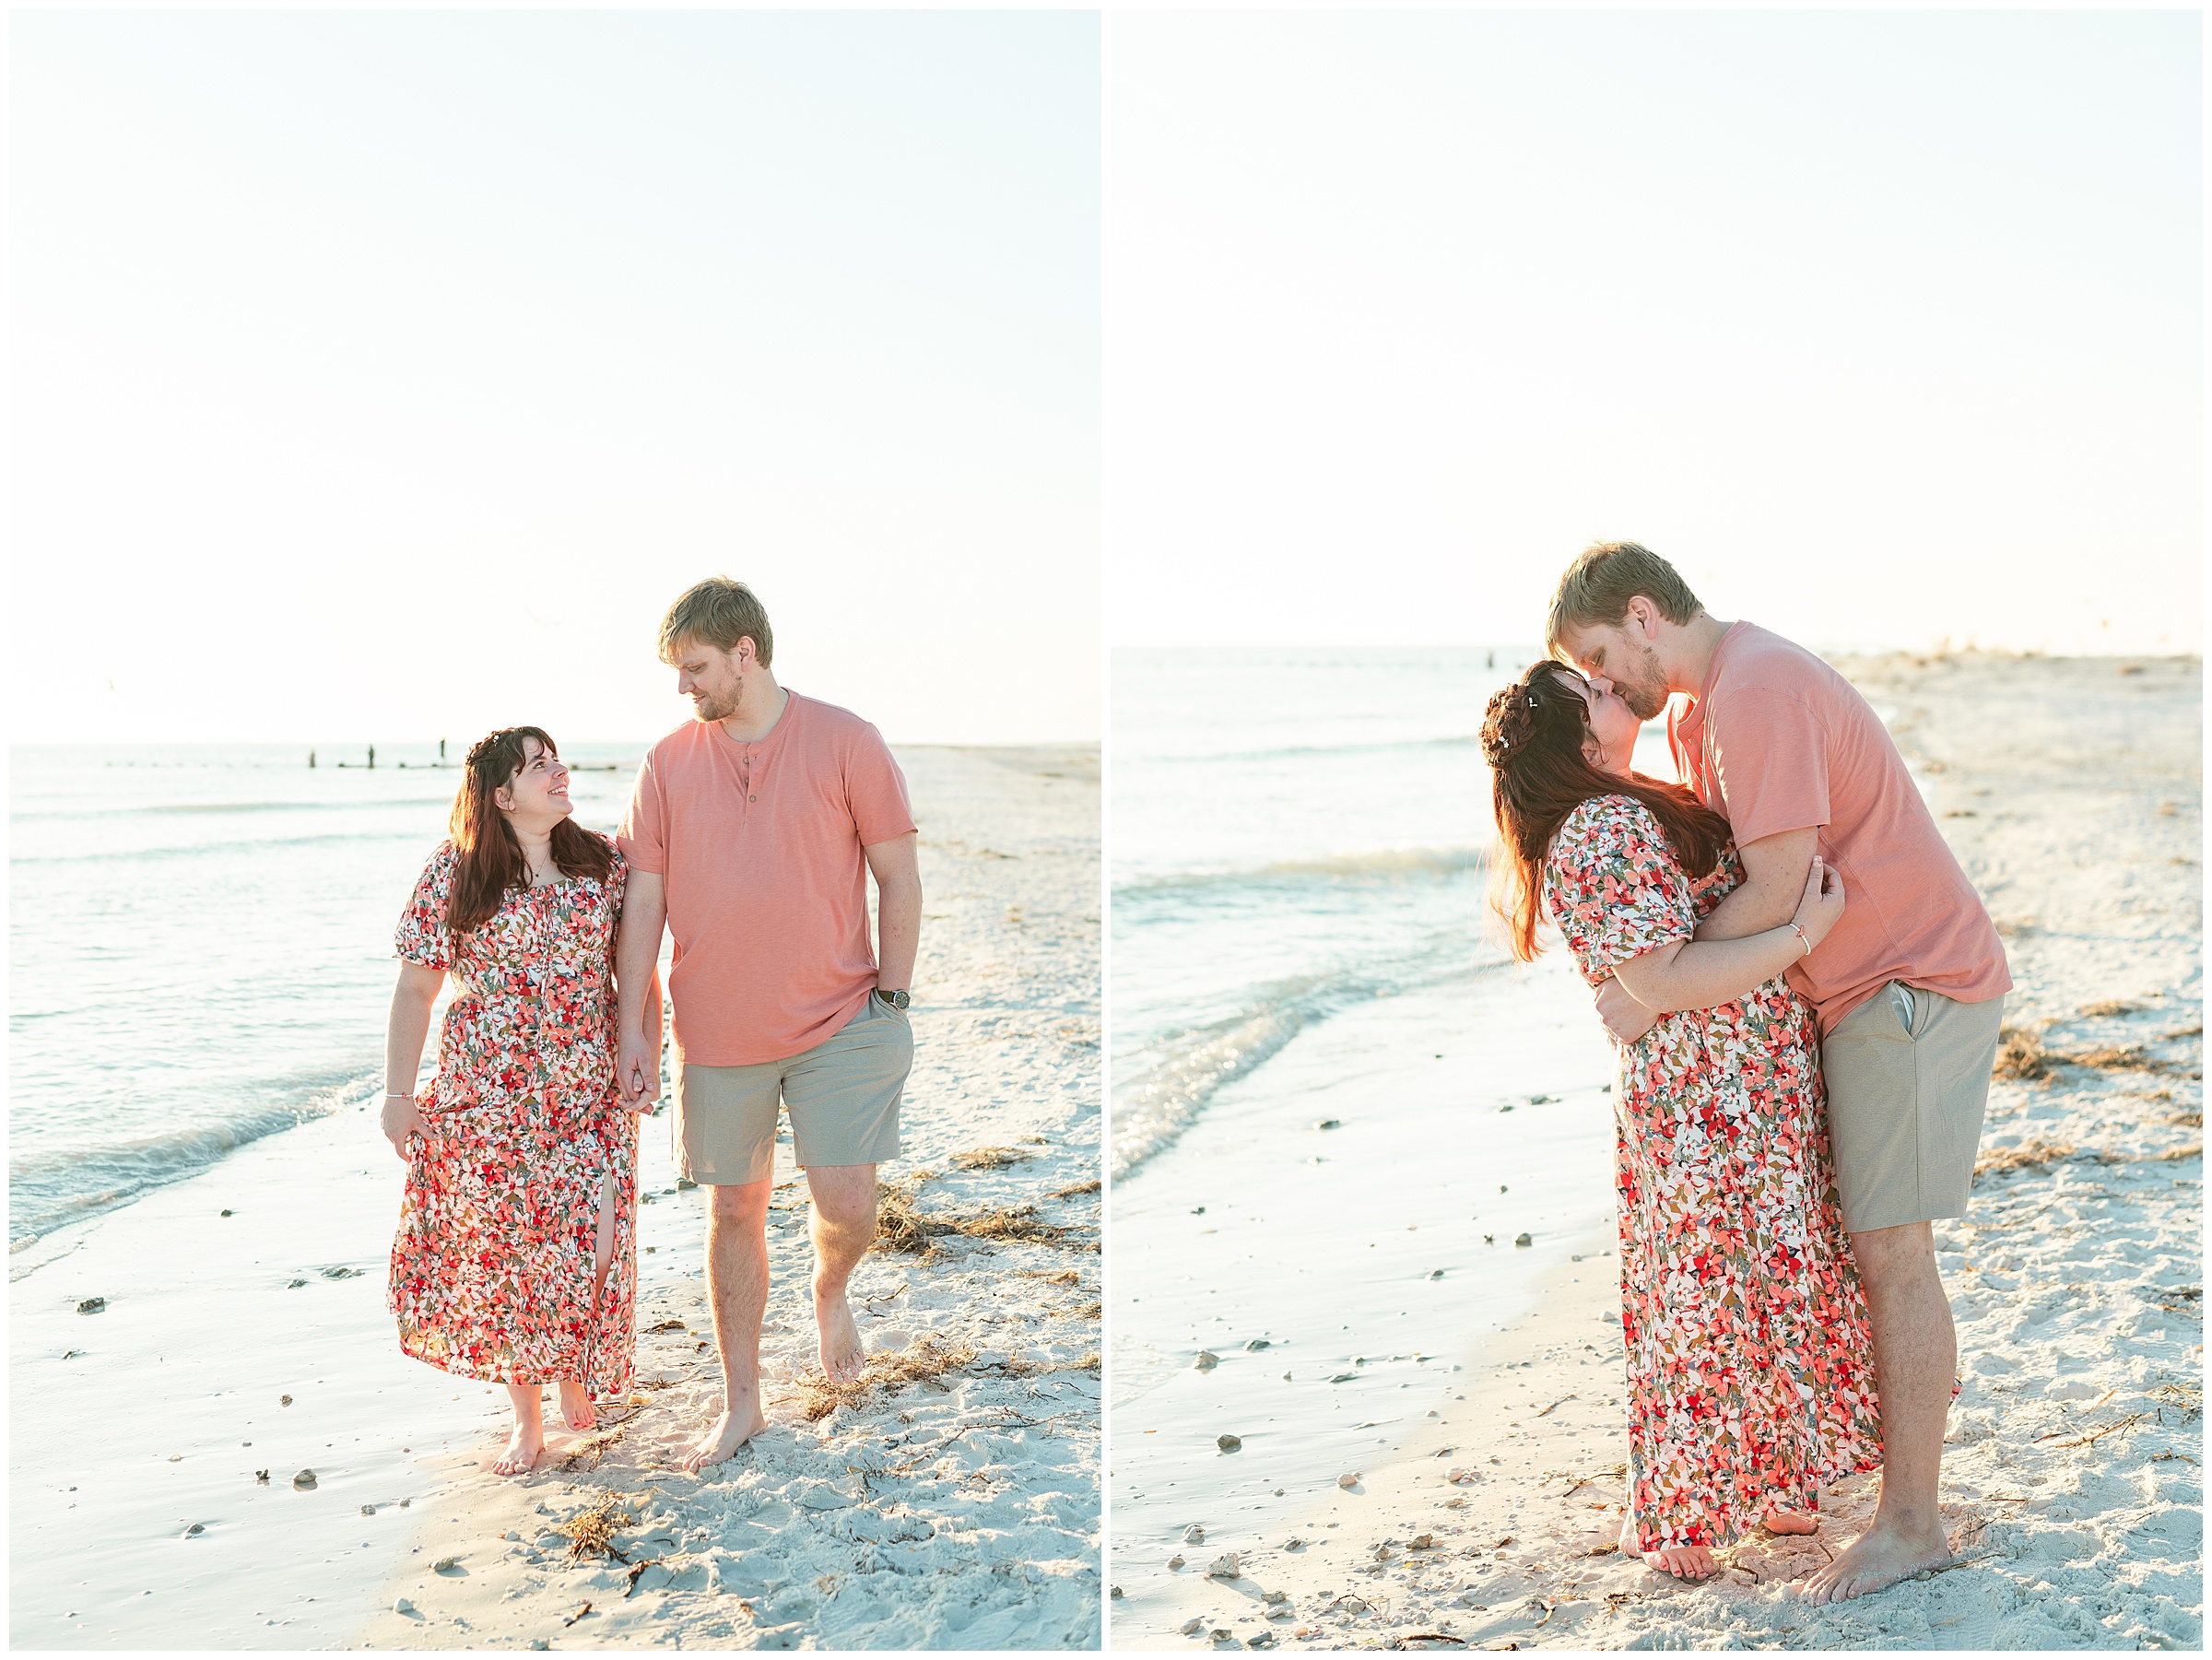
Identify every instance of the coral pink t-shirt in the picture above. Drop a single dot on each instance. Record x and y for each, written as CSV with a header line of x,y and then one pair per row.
x,y
759,849
1777,740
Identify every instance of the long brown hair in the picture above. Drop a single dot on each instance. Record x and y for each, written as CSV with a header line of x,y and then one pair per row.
x,y
1532,735
491,861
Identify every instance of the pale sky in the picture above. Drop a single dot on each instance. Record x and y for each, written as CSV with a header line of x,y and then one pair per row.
x,y
1884,326
385,376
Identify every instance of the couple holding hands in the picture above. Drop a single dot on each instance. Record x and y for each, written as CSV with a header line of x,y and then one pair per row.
x,y
750,836
1806,991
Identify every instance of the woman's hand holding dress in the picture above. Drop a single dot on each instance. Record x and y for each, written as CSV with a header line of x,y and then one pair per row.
x,y
402,1121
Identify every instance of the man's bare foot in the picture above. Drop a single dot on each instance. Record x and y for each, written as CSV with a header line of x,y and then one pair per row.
x,y
523,1448
1877,1559
1789,1521
723,1438
842,1352
576,1410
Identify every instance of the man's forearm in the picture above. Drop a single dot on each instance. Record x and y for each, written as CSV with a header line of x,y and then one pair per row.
x,y
898,933
637,949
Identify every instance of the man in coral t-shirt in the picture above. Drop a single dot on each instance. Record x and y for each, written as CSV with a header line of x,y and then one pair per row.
x,y
751,835
1909,987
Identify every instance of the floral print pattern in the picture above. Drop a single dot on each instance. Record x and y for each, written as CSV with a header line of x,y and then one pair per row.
x,y
1749,1371
493,1265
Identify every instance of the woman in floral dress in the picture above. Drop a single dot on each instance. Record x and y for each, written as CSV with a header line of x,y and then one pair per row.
x,y
515,1260
1750,1377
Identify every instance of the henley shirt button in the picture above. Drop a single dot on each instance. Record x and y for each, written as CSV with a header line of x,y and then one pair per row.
x,y
752,797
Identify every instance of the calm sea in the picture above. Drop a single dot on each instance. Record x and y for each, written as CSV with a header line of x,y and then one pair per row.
x,y
1294,830
200,948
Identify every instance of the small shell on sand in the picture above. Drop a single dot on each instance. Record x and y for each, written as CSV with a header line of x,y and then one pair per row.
x,y
176,1458
1175,1562
402,1606
1349,1478
284,1400
1191,1628
1225,1566
304,1480
1523,1240
445,1564
91,1305
1329,1123
1272,1599
368,1510
260,1479
1193,1534
1208,1359
197,1527
1228,1444
1260,1343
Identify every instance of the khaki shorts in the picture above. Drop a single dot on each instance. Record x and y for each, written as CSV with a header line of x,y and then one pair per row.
x,y
843,1096
1908,1078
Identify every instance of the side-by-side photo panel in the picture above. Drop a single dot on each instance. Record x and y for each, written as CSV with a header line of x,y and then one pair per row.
x,y
1655,745
555,1027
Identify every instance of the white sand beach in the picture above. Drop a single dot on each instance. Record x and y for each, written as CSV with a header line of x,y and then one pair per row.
x,y
2072,793
243,1330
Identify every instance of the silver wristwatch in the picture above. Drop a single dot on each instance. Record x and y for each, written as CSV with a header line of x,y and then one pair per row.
x,y
898,1000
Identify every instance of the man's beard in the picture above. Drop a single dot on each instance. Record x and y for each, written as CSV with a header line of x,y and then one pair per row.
x,y
1646,695
714,707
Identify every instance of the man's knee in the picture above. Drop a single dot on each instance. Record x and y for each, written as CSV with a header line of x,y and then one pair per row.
x,y
739,1203
1886,1252
844,1195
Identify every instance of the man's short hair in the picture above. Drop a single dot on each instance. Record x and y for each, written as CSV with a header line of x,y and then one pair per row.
x,y
1596,590
717,612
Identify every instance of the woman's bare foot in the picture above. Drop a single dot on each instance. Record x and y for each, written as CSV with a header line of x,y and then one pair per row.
x,y
844,1354
1684,1561
576,1409
722,1439
523,1448
1789,1521
1877,1559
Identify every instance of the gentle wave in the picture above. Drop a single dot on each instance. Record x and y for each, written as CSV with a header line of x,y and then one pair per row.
x,y
199,849
1155,1107
1395,864
1301,751
50,1189
76,814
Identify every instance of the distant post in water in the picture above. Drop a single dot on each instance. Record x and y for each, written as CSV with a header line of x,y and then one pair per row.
x,y
441,752
373,757
310,757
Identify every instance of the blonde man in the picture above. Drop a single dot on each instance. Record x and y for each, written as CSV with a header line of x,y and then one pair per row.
x,y
751,835
1909,988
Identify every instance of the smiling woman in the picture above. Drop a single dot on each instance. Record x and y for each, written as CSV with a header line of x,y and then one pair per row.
x,y
516,1256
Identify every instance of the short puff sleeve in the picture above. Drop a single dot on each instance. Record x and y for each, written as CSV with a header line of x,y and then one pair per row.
x,y
422,936
1614,887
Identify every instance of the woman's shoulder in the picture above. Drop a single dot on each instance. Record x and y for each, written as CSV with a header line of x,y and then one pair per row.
x,y
443,859
1607,817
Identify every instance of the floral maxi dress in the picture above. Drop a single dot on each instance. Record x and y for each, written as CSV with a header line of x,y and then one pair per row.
x,y
1749,1377
493,1262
